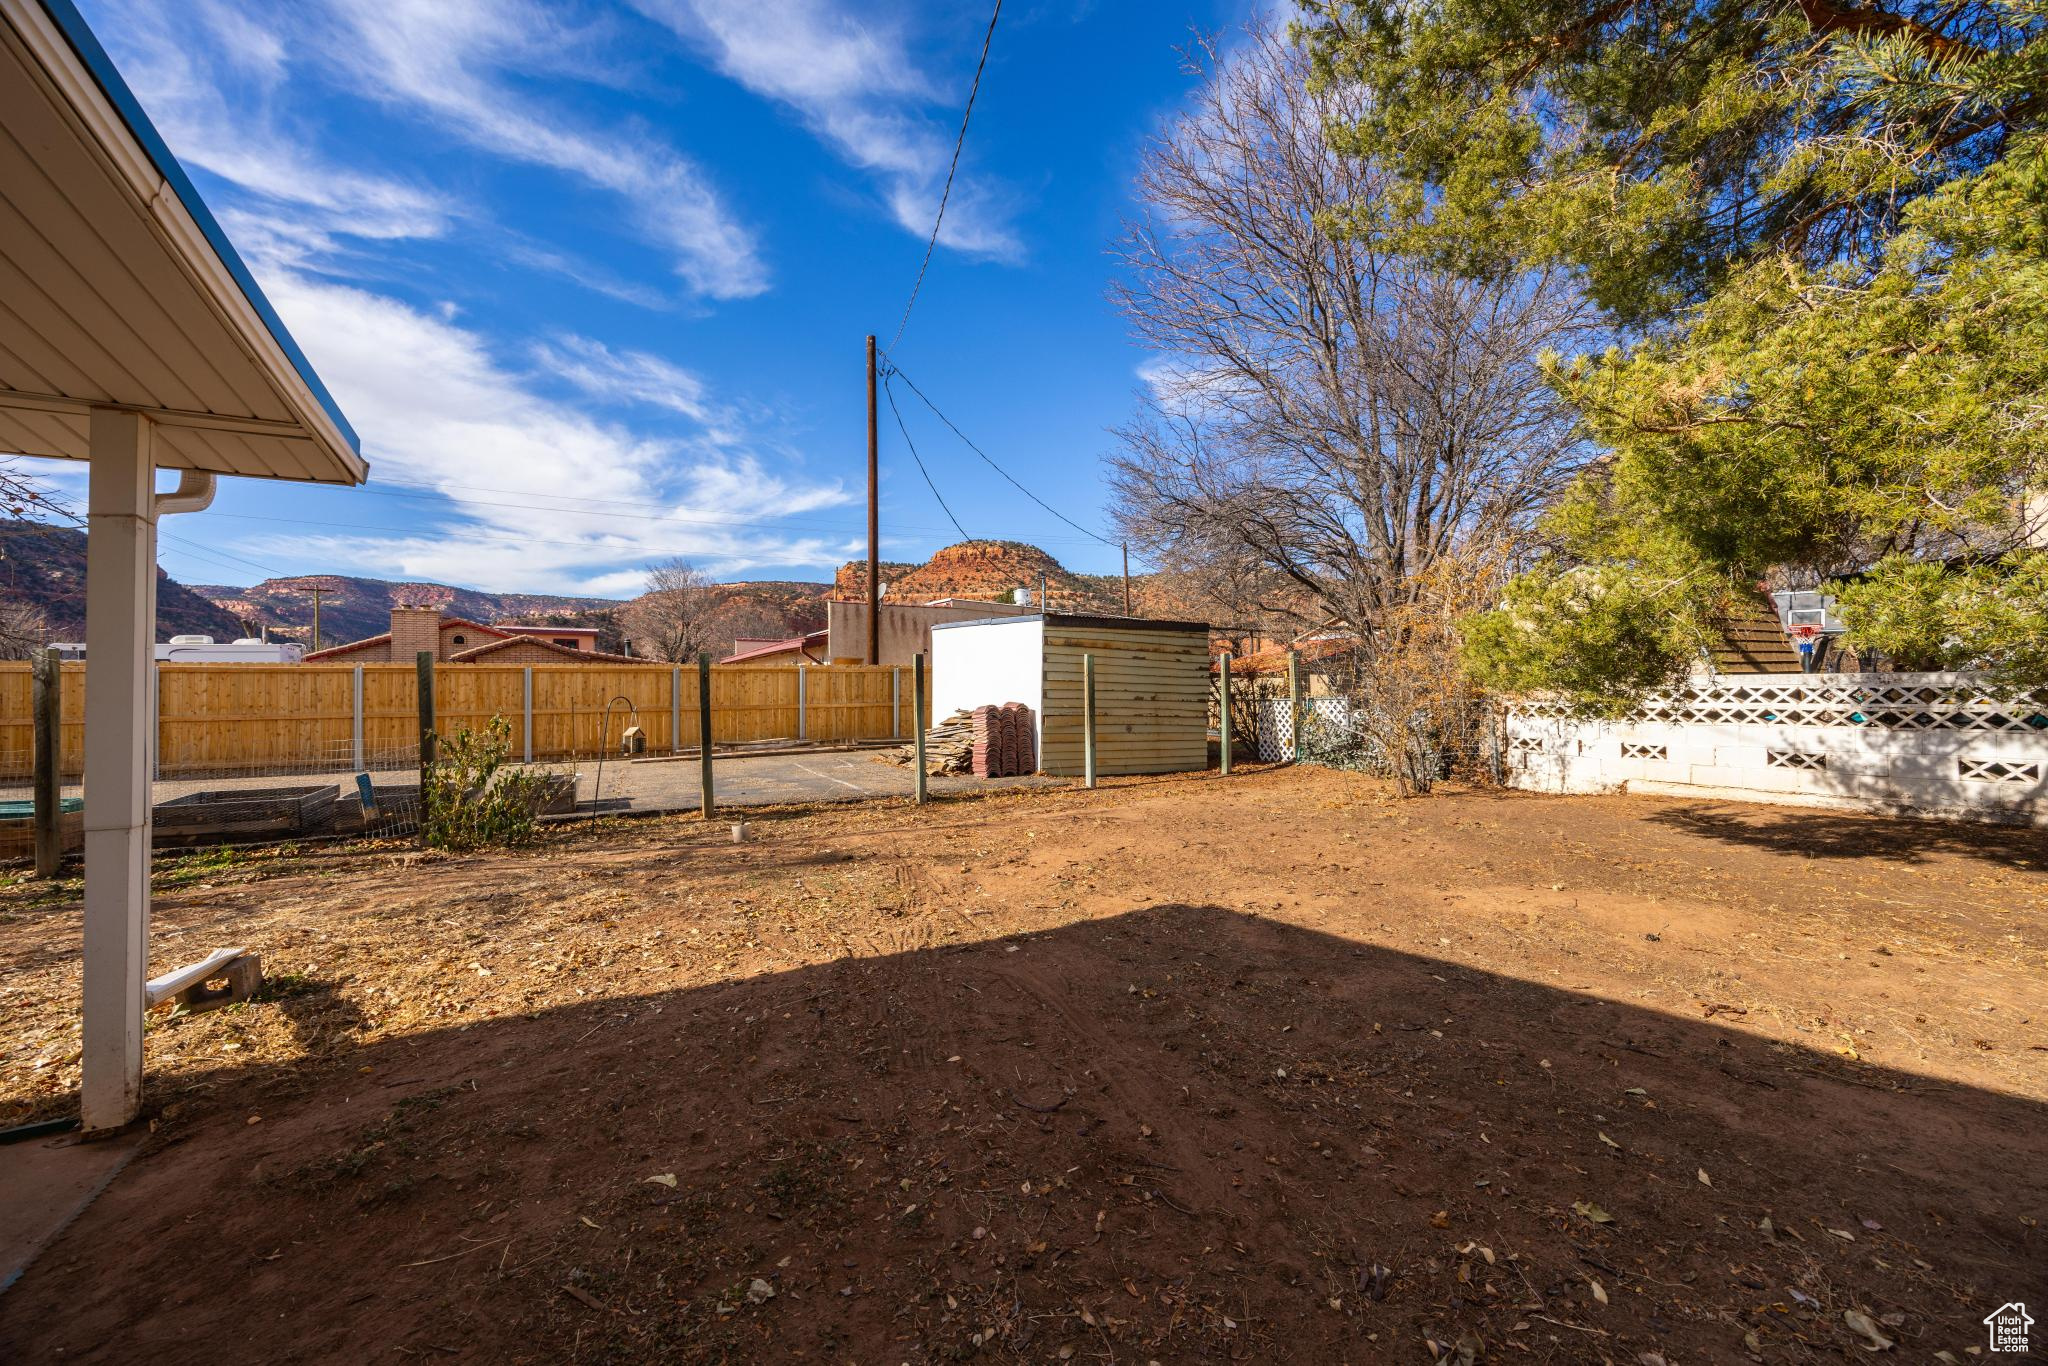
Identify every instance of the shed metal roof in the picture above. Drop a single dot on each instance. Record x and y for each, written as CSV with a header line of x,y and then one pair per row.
x,y
118,288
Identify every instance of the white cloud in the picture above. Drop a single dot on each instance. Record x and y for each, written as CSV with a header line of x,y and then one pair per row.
x,y
216,104
1179,385
444,58
627,376
435,409
855,86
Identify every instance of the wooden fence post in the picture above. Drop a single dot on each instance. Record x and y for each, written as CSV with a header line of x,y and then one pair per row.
x,y
705,797
675,710
1088,719
917,702
1294,706
1226,713
47,689
802,728
895,701
424,664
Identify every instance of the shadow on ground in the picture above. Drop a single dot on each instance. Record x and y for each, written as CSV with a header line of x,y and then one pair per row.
x,y
1181,1133
1817,834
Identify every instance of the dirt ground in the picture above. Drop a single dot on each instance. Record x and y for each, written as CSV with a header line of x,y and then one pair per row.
x,y
1271,1069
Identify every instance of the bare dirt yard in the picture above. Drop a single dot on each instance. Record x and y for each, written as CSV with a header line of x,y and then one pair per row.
x,y
1270,1069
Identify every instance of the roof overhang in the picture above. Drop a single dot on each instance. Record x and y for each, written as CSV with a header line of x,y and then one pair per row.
x,y
118,289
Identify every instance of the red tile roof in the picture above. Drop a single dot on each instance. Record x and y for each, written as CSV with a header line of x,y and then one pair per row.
x,y
801,644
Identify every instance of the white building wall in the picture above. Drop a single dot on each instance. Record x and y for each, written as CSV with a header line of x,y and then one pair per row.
x,y
989,663
1909,744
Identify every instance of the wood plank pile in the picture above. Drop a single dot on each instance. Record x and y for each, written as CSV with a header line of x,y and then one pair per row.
x,y
989,742
948,746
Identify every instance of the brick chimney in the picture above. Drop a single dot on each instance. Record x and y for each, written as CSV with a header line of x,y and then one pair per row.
x,y
414,629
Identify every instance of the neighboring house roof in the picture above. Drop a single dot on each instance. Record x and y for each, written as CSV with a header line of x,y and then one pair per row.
x,y
1275,659
511,642
794,645
533,628
333,650
447,623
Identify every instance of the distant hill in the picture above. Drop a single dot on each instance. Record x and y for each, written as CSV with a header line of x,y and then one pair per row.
x,y
353,608
44,567
991,571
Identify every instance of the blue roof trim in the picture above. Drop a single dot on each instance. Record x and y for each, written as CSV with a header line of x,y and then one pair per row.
x,y
80,35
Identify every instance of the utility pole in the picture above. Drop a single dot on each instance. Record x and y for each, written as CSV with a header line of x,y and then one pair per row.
x,y
874,522
317,593
1127,578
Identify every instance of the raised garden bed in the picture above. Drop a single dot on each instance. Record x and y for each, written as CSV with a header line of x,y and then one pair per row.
x,y
245,812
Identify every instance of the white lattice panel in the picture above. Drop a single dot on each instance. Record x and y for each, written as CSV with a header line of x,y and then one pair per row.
x,y
1894,702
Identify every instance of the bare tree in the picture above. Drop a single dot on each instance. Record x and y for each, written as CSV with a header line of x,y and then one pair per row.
x,y
24,629
27,498
673,619
1328,419
738,618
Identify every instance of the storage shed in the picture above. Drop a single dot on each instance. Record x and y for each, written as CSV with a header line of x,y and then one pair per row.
x,y
1151,686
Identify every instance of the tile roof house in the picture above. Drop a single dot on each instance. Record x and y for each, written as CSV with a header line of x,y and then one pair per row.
x,y
458,640
804,649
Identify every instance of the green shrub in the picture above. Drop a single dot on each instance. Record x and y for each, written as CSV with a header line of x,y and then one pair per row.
x,y
471,800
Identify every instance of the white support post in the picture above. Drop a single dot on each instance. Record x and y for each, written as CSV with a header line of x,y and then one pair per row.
x,y
896,702
120,630
675,710
526,709
802,724
355,733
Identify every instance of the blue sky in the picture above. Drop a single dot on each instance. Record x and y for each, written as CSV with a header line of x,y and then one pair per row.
x,y
591,280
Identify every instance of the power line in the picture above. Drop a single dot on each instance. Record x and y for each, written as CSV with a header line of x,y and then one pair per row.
x,y
947,193
897,370
920,461
219,558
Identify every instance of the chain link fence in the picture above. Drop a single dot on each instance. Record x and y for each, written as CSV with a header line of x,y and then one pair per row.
x,y
323,795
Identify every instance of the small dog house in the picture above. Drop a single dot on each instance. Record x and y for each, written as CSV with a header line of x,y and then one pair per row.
x,y
1151,686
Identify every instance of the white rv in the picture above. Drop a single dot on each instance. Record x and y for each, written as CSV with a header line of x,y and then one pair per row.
x,y
247,650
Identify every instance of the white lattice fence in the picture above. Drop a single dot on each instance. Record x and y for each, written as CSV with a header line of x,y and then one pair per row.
x,y
1942,744
1323,719
1908,702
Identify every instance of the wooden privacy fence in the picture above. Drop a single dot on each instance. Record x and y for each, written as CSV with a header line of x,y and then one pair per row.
x,y
252,717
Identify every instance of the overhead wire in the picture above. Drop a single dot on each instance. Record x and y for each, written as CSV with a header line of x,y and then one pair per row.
x,y
897,371
912,447
958,142
219,558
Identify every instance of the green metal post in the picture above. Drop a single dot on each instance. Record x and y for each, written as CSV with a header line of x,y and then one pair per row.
x,y
917,715
424,662
1226,713
47,700
705,800
1294,706
1088,719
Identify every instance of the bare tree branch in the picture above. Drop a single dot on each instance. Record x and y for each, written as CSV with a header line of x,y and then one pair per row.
x,y
1339,417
